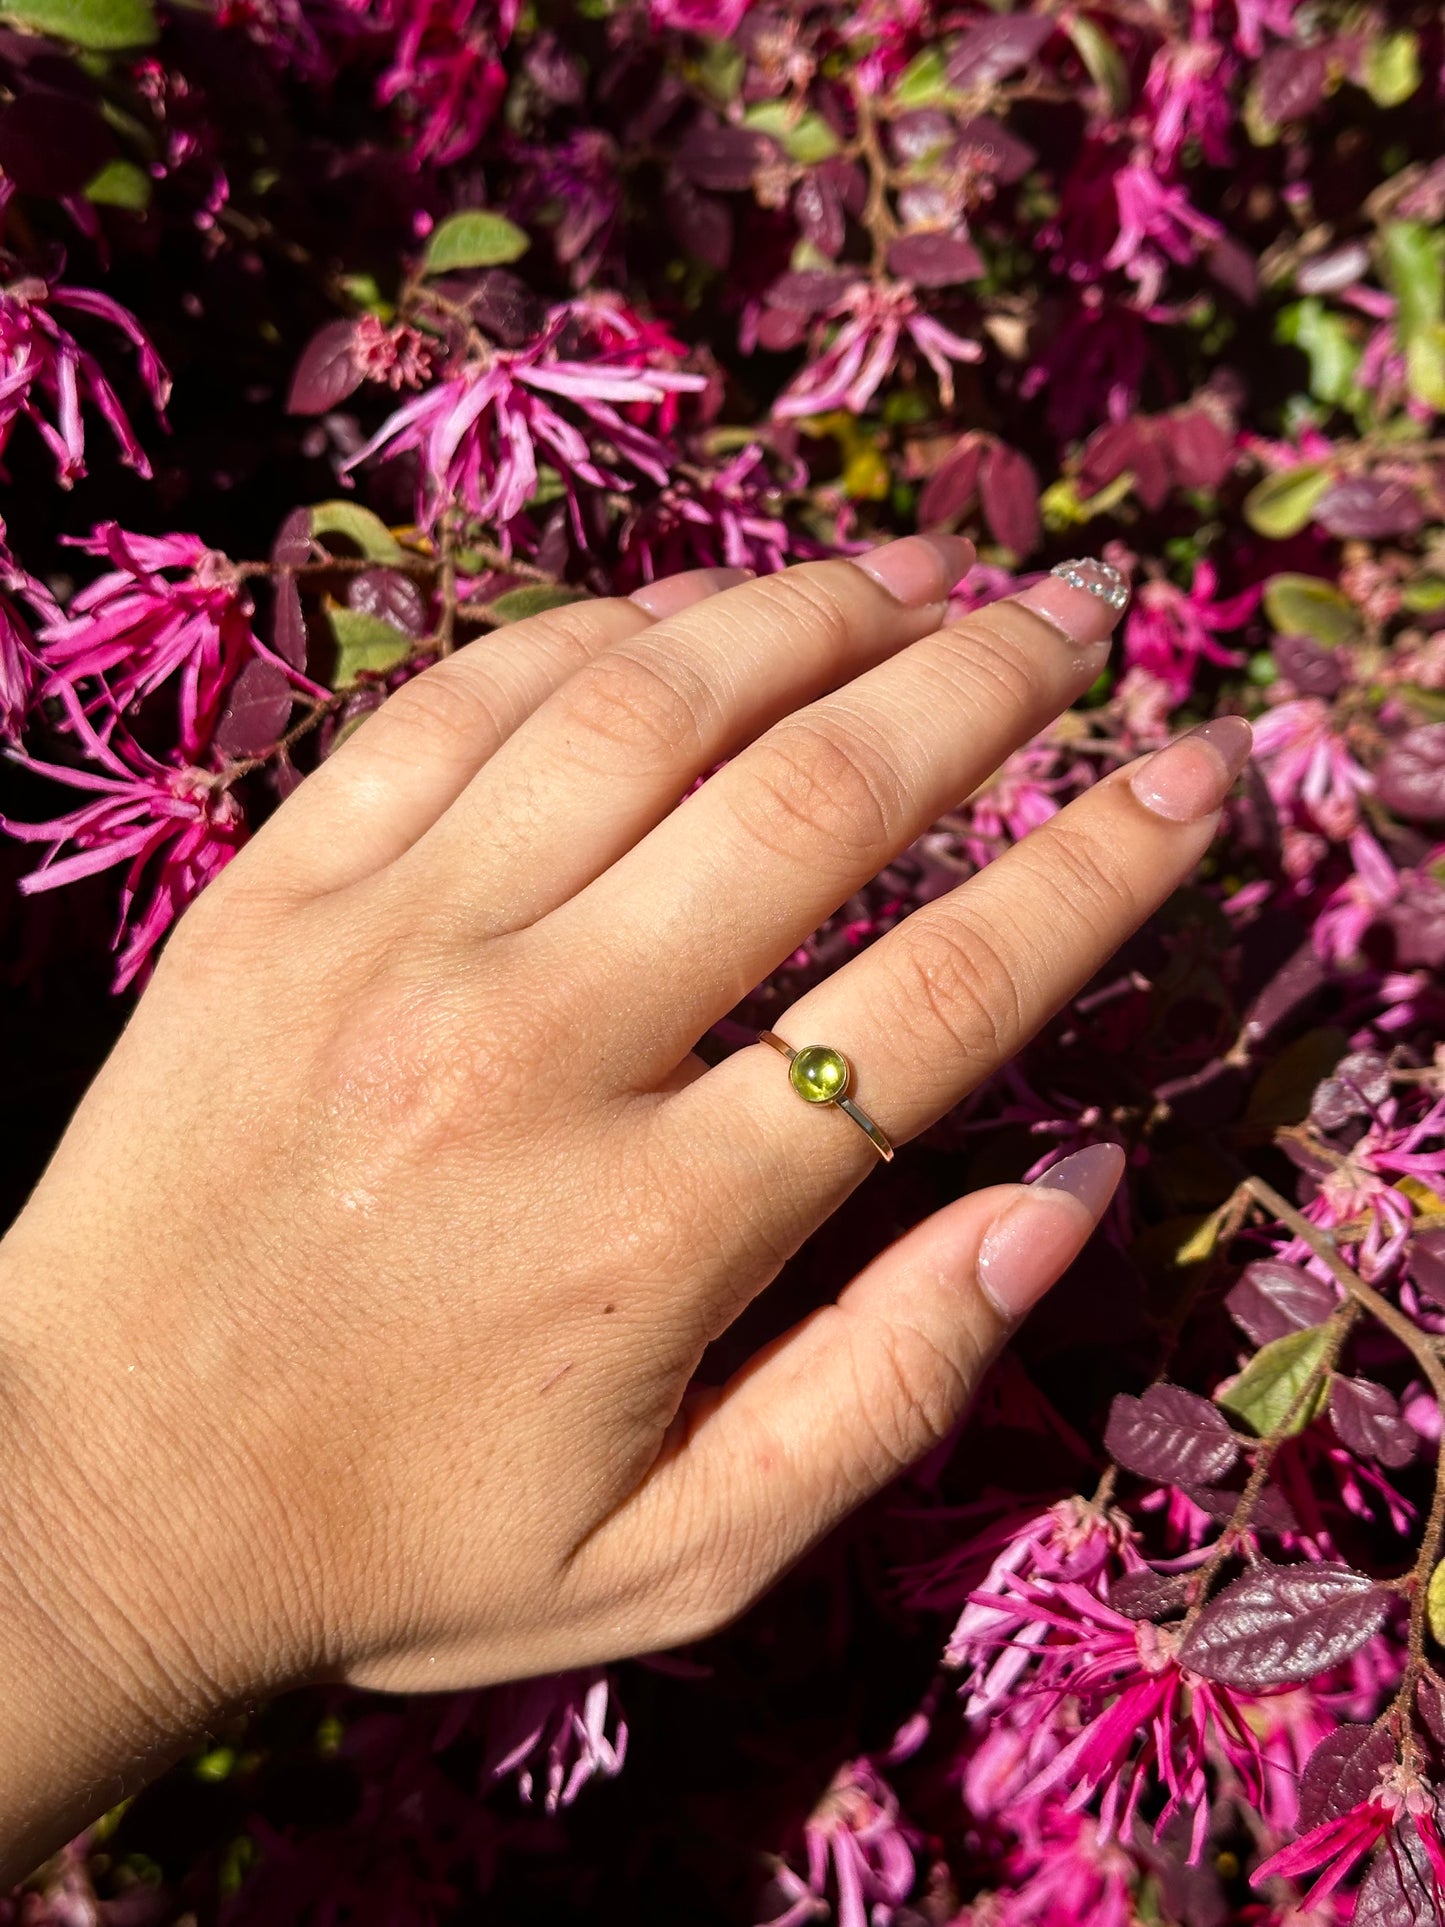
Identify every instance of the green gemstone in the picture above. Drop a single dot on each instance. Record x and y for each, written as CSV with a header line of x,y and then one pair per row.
x,y
819,1074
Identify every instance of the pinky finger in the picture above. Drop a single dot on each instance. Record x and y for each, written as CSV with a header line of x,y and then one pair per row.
x,y
836,1407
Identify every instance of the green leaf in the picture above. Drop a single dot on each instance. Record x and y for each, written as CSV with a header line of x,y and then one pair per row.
x,y
1328,339
1281,505
806,138
517,604
1414,267
1424,595
1435,1603
1391,68
364,643
104,26
721,69
924,81
121,184
1267,1393
360,527
1306,605
1102,58
1285,1087
474,239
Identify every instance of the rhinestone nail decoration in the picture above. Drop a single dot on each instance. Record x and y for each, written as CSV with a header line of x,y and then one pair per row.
x,y
1099,579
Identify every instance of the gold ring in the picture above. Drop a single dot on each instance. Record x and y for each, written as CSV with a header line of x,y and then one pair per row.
x,y
822,1075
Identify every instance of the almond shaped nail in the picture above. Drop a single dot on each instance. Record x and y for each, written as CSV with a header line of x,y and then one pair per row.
x,y
1190,778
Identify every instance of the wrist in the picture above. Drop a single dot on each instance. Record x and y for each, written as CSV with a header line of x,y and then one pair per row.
x,y
132,1612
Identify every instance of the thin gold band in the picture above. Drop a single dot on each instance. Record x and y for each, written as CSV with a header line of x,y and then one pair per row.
x,y
876,1136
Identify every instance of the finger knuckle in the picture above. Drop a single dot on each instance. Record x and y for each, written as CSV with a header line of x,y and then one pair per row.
x,y
825,785
644,703
810,603
950,977
910,1390
1086,882
1002,677
446,709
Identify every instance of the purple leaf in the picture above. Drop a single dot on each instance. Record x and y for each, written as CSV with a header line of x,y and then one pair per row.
x,y
327,371
1431,1702
922,135
1367,1419
935,260
1370,509
1359,1082
1235,269
1427,1264
1171,1435
1271,1299
1291,82
1009,490
1329,273
1411,779
504,306
1201,451
293,545
722,157
288,622
1342,1772
257,711
1272,1512
1313,669
951,487
818,211
1148,1594
1398,1889
810,290
995,48
1282,1625
1417,922
989,148
390,596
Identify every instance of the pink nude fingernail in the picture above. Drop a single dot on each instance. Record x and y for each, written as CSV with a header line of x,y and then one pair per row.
x,y
1084,598
675,592
919,569
1036,1238
1190,778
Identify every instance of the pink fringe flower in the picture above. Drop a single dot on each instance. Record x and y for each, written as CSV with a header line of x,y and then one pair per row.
x,y
862,354
174,827
46,376
855,1841
140,624
1171,630
557,1726
481,432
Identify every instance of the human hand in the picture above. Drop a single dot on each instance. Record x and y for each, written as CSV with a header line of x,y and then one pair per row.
x,y
348,1333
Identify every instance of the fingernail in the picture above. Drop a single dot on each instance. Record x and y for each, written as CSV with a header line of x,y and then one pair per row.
x,y
1039,1236
1191,778
1084,598
919,569
674,592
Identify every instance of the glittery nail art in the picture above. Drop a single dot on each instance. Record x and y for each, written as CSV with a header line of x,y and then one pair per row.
x,y
1095,578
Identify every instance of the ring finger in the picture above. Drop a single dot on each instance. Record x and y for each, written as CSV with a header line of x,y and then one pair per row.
x,y
953,992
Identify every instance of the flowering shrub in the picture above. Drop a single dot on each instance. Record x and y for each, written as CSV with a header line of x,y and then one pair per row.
x,y
472,308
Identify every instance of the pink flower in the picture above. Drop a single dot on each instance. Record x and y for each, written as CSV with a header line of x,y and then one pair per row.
x,y
174,827
444,68
855,1835
1171,630
46,376
1020,796
1068,1873
1307,766
719,19
559,1724
1188,95
398,355
1157,224
140,624
874,320
481,431
709,516
1115,1683
1336,1846
17,644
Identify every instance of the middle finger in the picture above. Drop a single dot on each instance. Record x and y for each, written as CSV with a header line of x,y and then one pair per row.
x,y
729,885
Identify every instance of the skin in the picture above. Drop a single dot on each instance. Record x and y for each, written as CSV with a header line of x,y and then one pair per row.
x,y
347,1334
